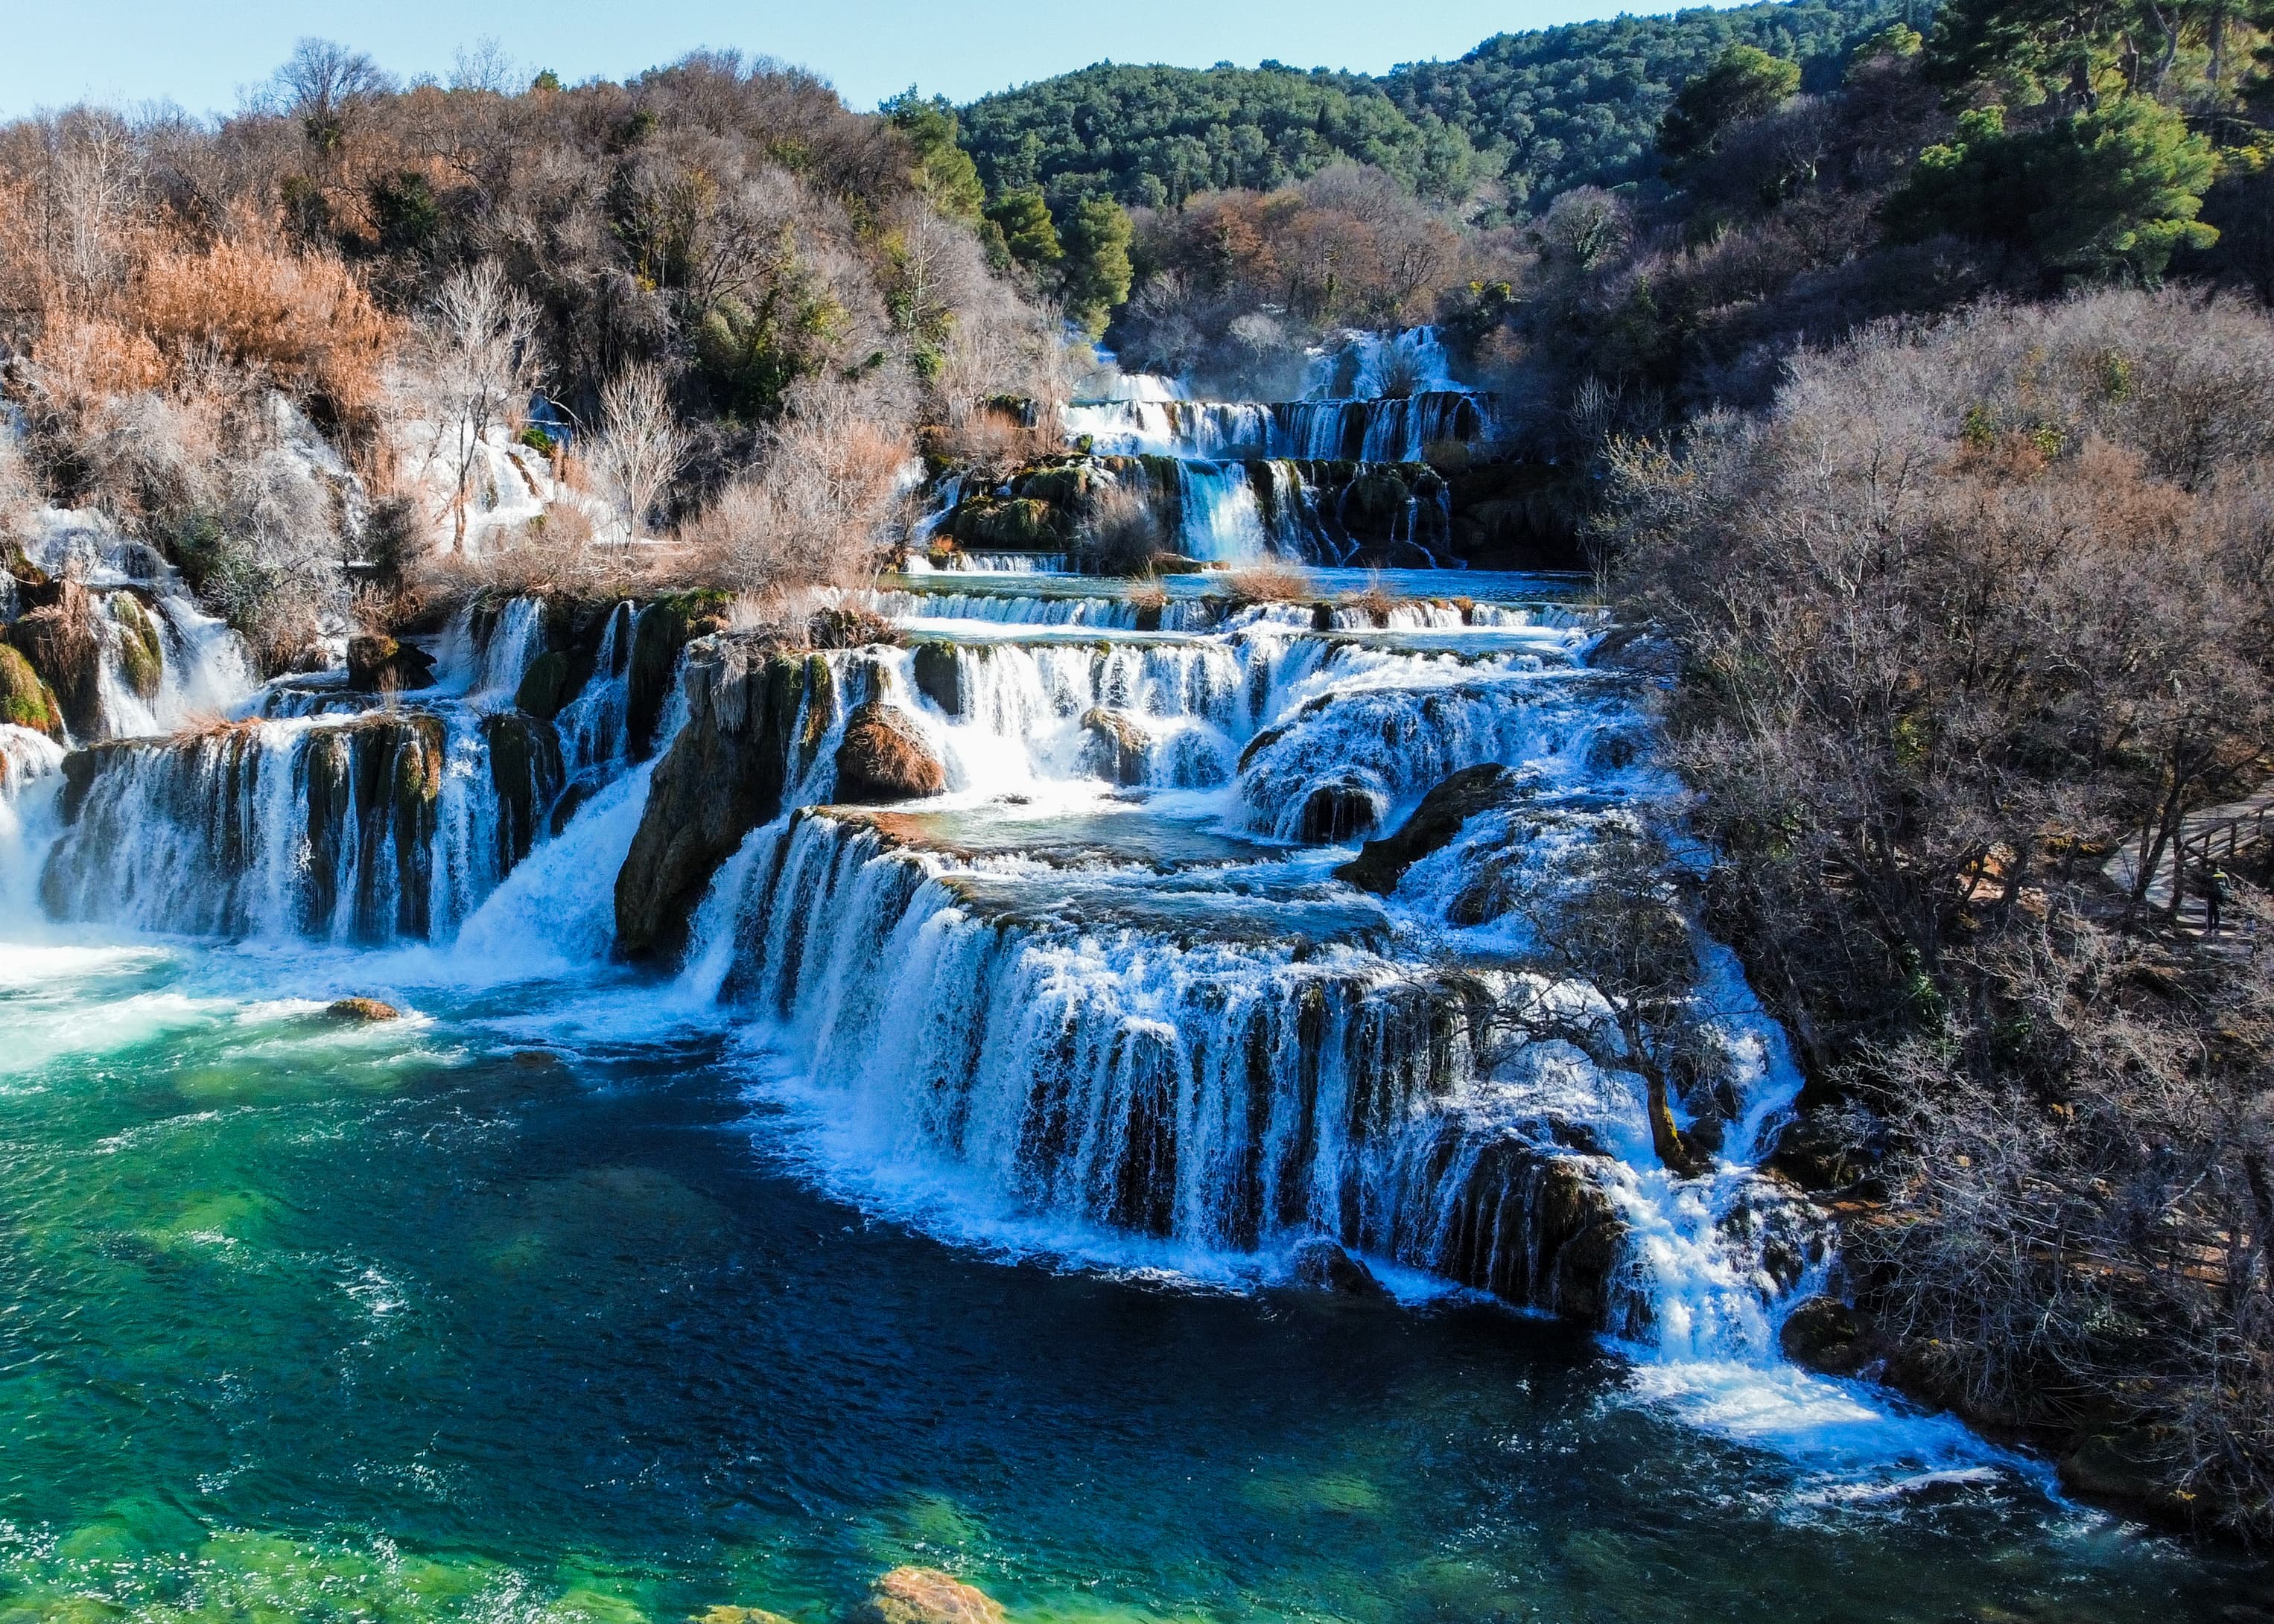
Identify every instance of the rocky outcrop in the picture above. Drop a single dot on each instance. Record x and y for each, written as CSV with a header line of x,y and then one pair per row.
x,y
378,663
526,772
939,676
1380,864
1336,812
1825,1334
926,1596
25,700
757,714
1535,1225
363,1011
665,628
1322,1266
1117,746
141,647
62,644
884,758
849,627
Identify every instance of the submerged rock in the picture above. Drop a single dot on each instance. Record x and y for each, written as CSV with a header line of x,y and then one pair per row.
x,y
1323,1266
1436,823
739,1615
756,717
926,1596
883,758
376,662
362,1010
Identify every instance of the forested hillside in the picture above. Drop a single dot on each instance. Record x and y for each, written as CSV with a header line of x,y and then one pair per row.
x,y
1535,113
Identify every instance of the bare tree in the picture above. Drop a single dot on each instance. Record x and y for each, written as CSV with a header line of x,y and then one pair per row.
x,y
640,446
480,344
324,84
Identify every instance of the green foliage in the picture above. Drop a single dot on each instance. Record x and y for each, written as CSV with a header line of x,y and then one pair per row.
x,y
1154,136
1744,82
1097,270
536,440
1022,220
2112,192
750,354
25,700
2029,49
405,211
546,79
944,171
1558,108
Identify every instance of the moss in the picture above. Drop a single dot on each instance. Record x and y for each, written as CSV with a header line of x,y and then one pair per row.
x,y
141,652
26,701
939,676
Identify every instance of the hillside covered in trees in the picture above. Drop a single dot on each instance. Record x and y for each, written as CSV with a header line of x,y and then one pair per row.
x,y
1522,117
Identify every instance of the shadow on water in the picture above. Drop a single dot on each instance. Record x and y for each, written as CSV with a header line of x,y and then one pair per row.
x,y
465,1316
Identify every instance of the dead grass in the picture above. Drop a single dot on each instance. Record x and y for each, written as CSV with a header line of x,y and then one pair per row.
x,y
1270,583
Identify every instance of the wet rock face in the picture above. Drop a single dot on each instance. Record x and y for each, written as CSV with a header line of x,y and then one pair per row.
x,y
25,700
1117,746
1435,825
926,1596
376,664
62,644
1323,1266
362,1010
883,759
665,628
1825,1334
1535,1226
939,676
1334,813
756,716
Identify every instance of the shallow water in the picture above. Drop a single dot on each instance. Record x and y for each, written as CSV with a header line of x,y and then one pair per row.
x,y
528,1307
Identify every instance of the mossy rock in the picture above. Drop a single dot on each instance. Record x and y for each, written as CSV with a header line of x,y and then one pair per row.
x,y
1022,524
939,676
26,701
664,629
525,769
141,649
1374,504
1069,486
544,688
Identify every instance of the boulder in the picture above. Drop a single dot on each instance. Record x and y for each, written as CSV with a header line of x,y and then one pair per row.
x,y
63,645
1117,746
526,770
141,649
1534,1225
926,1596
362,1010
662,633
26,701
1823,1333
757,715
939,675
2128,1469
1322,1265
851,628
376,664
544,690
883,757
1380,864
1334,813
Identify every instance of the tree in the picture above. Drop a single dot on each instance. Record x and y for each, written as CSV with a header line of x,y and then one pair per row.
x,y
642,446
1029,236
1097,269
2111,191
480,344
324,86
944,171
1744,82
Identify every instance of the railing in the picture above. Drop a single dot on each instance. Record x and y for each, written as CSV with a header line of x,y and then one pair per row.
x,y
2203,847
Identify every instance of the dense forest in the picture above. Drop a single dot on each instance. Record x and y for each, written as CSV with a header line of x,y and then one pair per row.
x,y
1518,120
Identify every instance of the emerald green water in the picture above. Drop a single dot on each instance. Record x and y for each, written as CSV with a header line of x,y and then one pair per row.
x,y
522,1310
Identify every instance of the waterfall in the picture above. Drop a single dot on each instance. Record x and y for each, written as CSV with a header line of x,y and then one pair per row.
x,y
30,765
1222,522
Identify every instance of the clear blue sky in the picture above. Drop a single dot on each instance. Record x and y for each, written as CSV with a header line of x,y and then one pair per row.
x,y
199,53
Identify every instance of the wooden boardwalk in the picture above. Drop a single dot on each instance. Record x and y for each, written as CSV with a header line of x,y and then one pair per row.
x,y
2208,839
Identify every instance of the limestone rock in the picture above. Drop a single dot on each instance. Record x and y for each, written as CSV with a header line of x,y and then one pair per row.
x,y
376,662
25,700
756,716
849,627
544,688
1336,812
1323,1266
663,631
883,758
1117,746
362,1010
1435,825
939,675
62,644
926,1596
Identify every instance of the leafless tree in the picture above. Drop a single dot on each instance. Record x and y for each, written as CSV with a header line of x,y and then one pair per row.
x,y
642,446
481,359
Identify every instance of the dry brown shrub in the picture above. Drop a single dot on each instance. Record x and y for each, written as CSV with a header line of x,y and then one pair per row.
x,y
85,360
1375,603
303,320
1270,583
